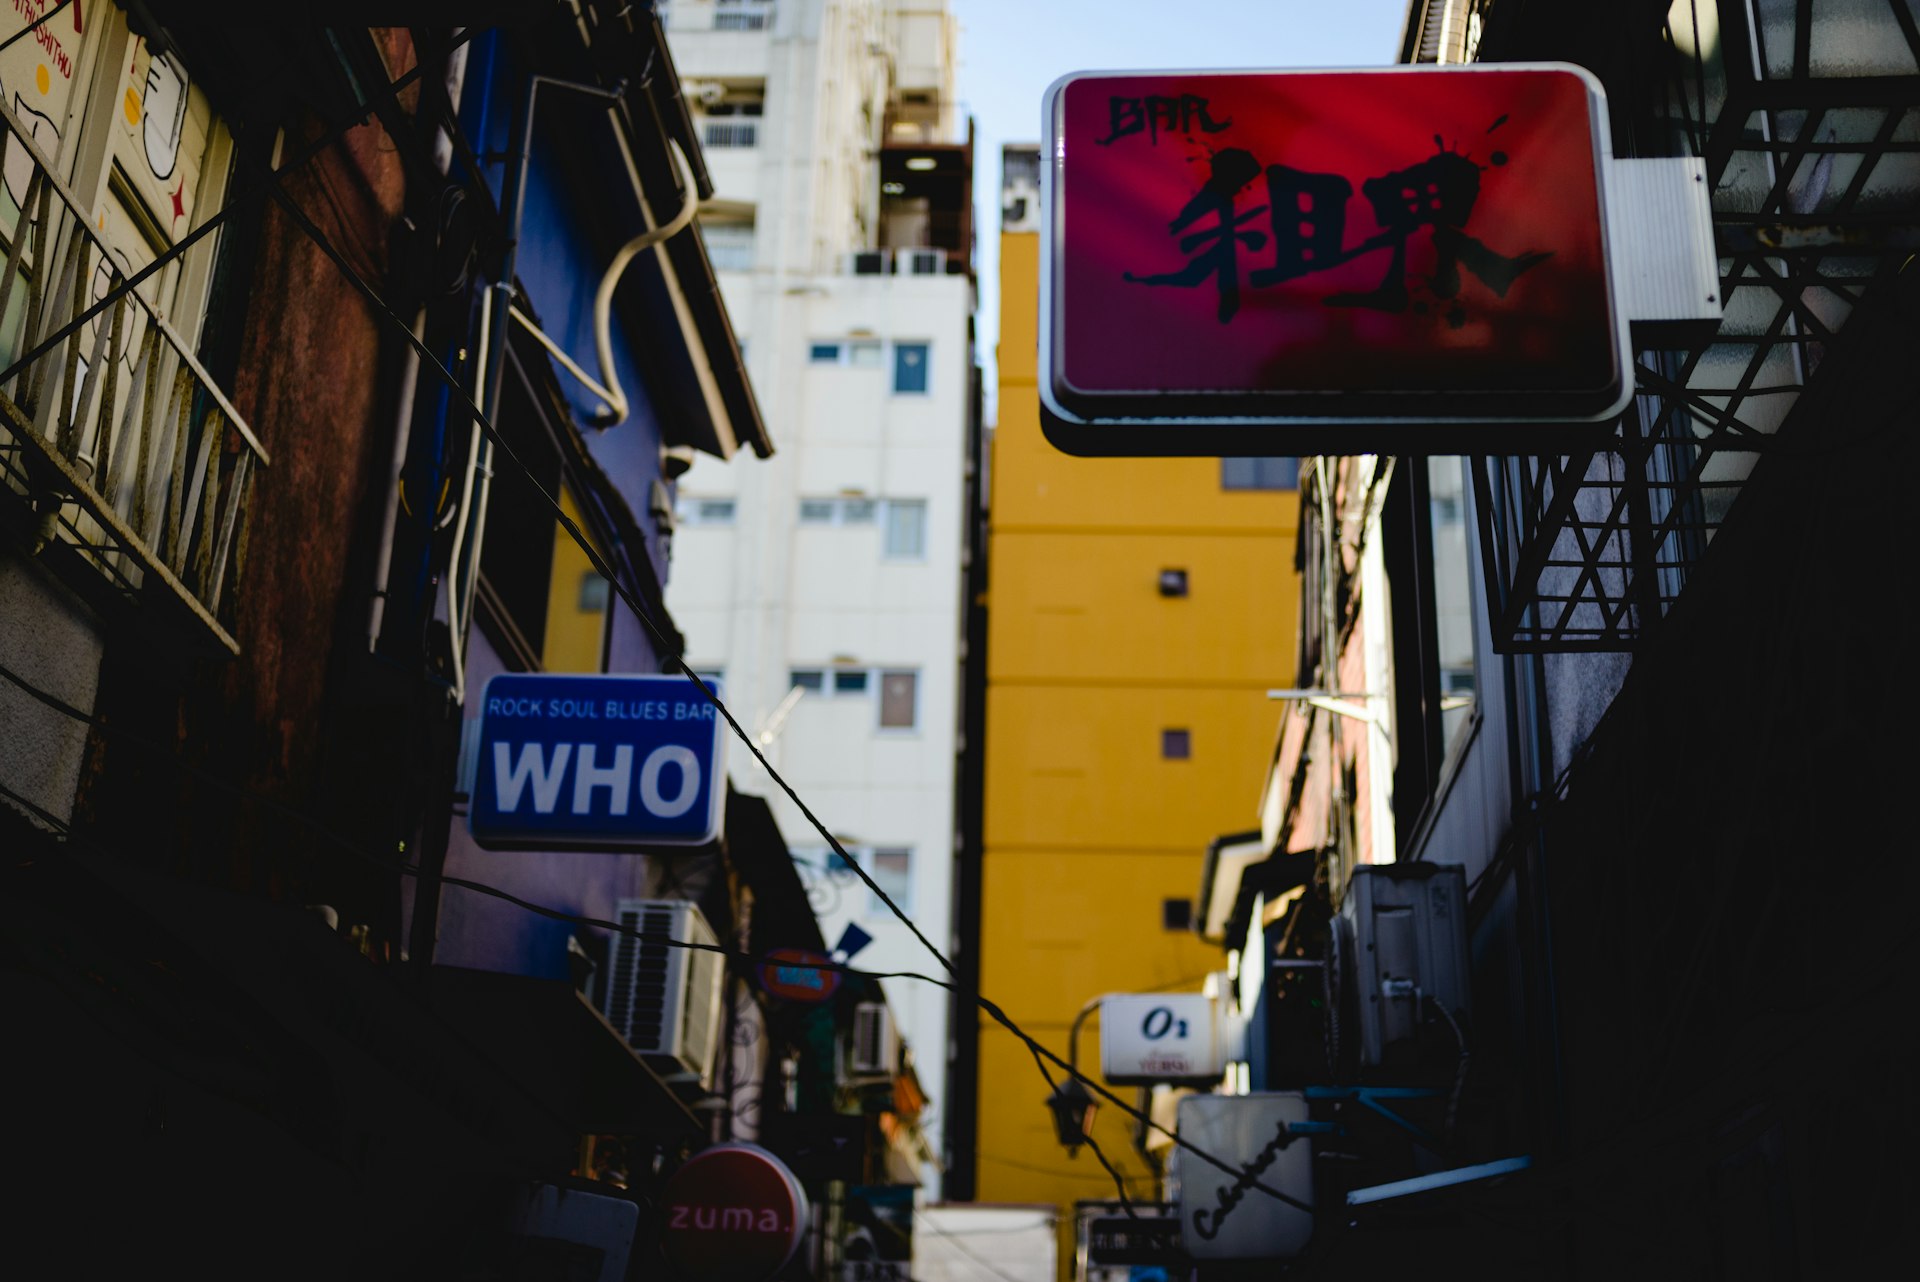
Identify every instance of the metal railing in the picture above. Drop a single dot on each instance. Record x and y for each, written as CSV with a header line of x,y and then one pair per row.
x,y
127,469
731,133
1815,177
750,20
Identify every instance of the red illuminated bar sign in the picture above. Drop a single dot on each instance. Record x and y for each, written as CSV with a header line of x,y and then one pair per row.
x,y
1308,261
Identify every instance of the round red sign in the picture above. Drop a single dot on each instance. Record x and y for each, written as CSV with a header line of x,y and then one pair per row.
x,y
734,1213
796,974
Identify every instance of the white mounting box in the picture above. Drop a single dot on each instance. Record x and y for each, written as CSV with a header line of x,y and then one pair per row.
x,y
1403,931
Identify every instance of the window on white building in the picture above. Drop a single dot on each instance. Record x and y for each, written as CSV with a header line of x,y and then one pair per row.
x,y
829,878
903,521
729,244
891,868
906,530
899,700
899,690
910,369
864,353
690,510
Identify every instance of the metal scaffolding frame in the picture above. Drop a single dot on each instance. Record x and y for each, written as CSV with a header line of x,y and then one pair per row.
x,y
1816,200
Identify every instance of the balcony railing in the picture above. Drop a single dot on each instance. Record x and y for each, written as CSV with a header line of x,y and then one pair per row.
x,y
731,133
123,467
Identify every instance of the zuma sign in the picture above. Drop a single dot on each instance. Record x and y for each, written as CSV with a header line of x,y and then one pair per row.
x,y
733,1213
596,761
1254,262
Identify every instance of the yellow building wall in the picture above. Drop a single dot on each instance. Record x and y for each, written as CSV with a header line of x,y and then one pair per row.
x,y
1077,767
575,636
1085,606
1088,827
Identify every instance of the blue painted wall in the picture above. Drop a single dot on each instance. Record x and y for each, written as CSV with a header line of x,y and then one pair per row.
x,y
576,216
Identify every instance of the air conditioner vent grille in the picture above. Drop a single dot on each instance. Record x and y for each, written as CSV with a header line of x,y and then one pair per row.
x,y
665,1000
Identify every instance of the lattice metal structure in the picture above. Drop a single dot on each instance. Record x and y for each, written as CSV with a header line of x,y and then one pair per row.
x,y
1807,113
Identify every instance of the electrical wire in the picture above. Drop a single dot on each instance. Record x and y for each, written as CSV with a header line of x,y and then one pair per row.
x,y
663,643
1042,1055
234,204
274,188
33,26
1086,1135
45,816
961,1247
1036,1168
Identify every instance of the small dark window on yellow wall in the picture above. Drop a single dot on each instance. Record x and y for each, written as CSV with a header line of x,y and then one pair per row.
x,y
1176,914
1176,745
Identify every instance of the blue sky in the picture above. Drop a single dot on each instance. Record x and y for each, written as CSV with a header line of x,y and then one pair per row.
x,y
1011,50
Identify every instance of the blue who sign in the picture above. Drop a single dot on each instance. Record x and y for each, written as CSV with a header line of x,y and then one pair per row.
x,y
597,761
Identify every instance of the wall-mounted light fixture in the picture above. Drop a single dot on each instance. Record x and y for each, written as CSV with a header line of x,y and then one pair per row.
x,y
1071,1104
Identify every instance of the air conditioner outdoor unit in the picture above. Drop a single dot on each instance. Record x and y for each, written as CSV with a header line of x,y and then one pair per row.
x,y
870,262
1398,972
665,1000
874,1049
926,262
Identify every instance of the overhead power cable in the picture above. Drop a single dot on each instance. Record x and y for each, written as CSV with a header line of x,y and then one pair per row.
x,y
237,201
1042,1055
663,643
962,1247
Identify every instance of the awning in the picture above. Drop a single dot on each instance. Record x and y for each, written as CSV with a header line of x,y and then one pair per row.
x,y
1238,870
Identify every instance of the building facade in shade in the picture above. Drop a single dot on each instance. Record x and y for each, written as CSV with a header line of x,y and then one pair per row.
x,y
1138,612
824,588
270,520
1609,720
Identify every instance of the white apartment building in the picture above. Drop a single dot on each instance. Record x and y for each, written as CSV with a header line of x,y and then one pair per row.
x,y
823,586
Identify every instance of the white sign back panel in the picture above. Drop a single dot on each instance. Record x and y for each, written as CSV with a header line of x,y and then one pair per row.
x,y
1222,1216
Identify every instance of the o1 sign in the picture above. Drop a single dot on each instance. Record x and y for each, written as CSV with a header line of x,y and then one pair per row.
x,y
1161,1037
1256,262
608,762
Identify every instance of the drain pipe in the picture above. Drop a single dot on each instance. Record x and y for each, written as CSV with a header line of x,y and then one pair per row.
x,y
454,78
613,397
499,306
390,517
